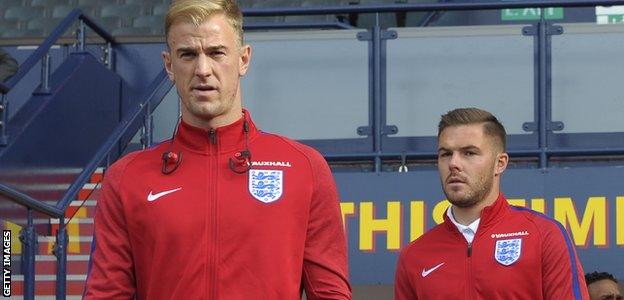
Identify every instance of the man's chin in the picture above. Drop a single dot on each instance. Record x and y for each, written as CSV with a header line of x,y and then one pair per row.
x,y
460,200
463,203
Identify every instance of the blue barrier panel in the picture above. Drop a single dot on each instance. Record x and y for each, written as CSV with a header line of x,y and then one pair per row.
x,y
588,201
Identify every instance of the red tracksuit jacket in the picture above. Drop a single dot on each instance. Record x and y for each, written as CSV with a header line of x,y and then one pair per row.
x,y
206,232
516,254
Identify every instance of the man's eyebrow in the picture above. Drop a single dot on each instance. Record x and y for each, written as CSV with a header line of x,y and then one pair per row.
x,y
217,47
194,49
469,147
185,49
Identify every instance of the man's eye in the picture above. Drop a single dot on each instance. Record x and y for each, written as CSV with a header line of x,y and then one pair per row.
x,y
444,154
469,153
187,55
218,53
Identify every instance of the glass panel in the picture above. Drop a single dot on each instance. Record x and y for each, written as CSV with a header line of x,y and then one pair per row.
x,y
587,72
308,84
433,70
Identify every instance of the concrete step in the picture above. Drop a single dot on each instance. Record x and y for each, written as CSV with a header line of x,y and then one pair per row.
x,y
45,285
52,184
80,225
77,209
46,264
53,175
57,192
76,245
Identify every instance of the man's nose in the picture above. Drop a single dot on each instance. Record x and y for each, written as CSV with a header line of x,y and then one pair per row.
x,y
455,162
204,66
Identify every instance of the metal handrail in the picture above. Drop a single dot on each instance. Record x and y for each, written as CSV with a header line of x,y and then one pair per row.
x,y
406,7
155,94
30,62
25,200
297,25
45,46
512,152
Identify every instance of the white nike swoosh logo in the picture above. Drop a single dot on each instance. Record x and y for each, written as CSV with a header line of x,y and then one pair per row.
x,y
152,197
426,272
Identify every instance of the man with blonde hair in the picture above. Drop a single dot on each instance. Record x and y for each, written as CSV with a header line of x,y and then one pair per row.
x,y
485,249
222,210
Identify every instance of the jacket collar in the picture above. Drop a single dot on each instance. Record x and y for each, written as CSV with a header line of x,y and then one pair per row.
x,y
222,139
490,215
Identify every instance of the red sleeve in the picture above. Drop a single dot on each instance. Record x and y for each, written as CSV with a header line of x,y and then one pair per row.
x,y
563,276
402,287
111,269
325,271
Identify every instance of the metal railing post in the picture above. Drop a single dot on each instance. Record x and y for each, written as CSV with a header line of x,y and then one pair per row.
x,y
377,127
45,74
543,124
377,130
110,63
80,35
28,237
146,131
60,251
4,118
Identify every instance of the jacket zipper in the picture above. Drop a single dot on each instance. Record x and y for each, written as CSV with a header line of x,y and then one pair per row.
x,y
471,288
213,168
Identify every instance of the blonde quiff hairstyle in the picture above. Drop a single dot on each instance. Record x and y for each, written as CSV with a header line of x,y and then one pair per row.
x,y
199,11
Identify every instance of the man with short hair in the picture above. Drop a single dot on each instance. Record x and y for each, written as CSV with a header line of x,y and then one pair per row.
x,y
222,210
485,248
602,286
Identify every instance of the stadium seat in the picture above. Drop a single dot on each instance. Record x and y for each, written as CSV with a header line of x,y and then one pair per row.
x,y
7,25
267,4
61,11
132,31
156,23
22,13
274,3
7,3
21,33
90,2
312,18
142,2
109,23
44,24
160,9
121,10
48,3
245,3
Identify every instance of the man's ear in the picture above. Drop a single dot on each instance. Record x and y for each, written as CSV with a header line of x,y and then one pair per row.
x,y
245,58
502,159
167,61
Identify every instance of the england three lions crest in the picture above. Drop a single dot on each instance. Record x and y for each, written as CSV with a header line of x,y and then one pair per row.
x,y
266,185
508,252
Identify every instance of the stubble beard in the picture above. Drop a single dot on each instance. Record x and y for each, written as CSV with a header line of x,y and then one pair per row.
x,y
471,197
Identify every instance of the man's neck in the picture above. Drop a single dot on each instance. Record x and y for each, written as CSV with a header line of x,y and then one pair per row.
x,y
212,123
467,215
